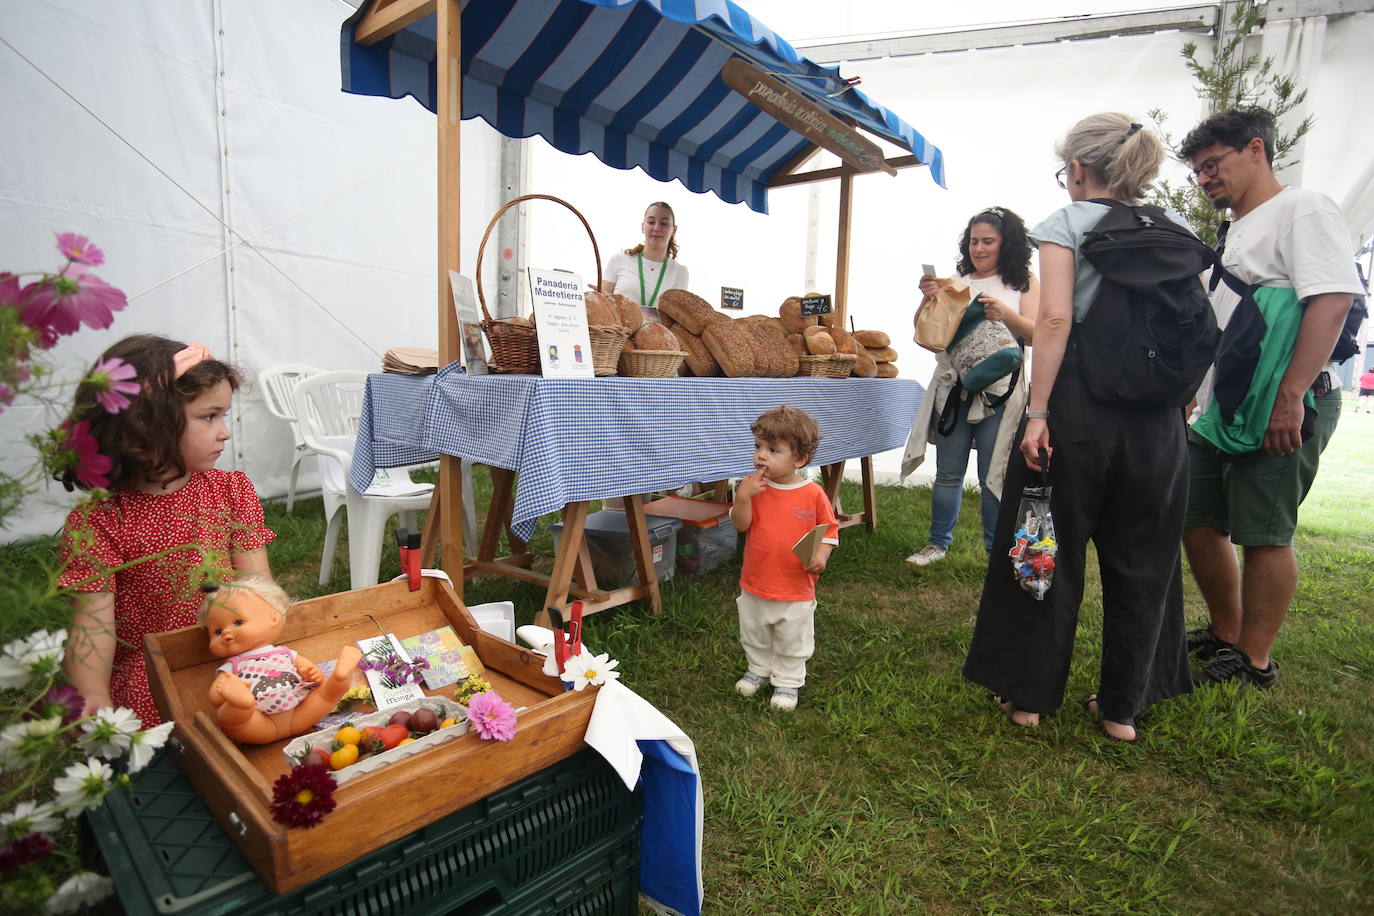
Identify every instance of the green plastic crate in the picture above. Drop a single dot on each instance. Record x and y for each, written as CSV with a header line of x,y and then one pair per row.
x,y
563,841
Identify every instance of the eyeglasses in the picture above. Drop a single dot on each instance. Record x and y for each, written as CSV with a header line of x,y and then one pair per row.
x,y
1209,168
1059,177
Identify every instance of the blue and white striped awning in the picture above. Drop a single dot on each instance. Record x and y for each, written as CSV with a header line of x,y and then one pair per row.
x,y
634,82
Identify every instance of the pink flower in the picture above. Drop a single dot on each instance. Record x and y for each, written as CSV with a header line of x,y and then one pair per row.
x,y
78,248
9,289
113,379
91,466
492,717
60,304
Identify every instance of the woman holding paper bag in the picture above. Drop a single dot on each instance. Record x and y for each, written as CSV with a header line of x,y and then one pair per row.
x,y
994,260
642,273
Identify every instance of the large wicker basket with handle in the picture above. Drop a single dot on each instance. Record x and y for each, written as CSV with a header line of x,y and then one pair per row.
x,y
515,346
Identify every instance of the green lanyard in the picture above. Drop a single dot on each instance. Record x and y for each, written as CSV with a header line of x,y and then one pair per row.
x,y
650,303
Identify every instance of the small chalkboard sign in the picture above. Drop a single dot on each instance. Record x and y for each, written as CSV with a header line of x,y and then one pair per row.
x,y
815,305
731,298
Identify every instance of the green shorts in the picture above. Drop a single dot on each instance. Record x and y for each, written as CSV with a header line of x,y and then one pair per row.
x,y
1256,499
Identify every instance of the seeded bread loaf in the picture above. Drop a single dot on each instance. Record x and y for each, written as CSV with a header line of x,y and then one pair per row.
x,y
689,310
773,357
699,359
731,346
797,343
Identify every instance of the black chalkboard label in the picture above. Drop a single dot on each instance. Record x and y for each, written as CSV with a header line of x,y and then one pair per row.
x,y
731,298
815,305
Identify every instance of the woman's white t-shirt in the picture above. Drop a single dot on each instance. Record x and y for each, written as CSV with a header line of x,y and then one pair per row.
x,y
623,271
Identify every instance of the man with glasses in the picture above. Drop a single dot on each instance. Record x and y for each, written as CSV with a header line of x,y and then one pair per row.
x,y
1289,253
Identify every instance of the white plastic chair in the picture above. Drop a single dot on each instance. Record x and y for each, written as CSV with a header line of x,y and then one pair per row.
x,y
278,384
327,409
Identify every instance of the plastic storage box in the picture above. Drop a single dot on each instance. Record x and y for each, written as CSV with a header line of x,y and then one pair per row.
x,y
608,542
565,840
707,538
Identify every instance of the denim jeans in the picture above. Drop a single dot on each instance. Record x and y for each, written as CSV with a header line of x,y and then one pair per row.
x,y
951,461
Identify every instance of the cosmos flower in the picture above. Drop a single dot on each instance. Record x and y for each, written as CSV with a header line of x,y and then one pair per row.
x,y
64,301
82,785
303,796
78,248
23,743
62,700
28,817
91,466
80,890
585,668
143,745
110,732
492,717
33,656
113,380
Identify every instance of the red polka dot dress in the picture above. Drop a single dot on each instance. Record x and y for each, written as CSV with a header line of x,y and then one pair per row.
x,y
217,513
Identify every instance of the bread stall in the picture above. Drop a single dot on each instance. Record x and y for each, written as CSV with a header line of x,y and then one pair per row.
x,y
740,112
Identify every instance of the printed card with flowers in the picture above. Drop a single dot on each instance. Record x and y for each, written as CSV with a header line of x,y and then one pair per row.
x,y
449,661
389,670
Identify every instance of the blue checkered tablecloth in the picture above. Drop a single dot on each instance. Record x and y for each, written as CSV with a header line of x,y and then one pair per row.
x,y
579,439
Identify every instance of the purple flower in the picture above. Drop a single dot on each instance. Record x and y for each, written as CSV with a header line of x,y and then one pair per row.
x,y
492,717
91,466
24,851
114,379
62,700
59,304
78,248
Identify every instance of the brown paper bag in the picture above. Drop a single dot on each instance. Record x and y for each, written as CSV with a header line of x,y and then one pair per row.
x,y
937,319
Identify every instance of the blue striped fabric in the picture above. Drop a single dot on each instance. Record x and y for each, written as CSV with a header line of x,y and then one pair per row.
x,y
577,439
634,82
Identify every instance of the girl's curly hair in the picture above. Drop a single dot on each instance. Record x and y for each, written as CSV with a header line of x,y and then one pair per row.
x,y
143,441
1013,258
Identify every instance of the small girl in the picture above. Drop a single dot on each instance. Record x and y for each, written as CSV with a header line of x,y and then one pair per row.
x,y
167,503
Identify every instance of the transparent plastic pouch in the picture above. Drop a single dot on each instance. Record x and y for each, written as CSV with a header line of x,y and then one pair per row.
x,y
1033,545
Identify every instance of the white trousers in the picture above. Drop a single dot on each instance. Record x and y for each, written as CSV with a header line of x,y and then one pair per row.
x,y
778,637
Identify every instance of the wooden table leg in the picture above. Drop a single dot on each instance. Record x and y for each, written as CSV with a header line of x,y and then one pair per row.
x,y
870,493
499,513
429,539
638,527
574,524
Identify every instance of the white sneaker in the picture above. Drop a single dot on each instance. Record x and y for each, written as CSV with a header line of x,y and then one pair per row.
x,y
749,684
926,555
784,698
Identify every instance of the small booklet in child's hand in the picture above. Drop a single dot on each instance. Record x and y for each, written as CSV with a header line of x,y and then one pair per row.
x,y
806,548
449,660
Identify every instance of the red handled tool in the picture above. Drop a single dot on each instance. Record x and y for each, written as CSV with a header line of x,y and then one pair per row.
x,y
409,542
560,646
575,630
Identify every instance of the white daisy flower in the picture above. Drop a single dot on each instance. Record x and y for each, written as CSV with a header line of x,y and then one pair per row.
x,y
24,742
80,890
81,786
585,668
28,817
110,731
38,653
145,744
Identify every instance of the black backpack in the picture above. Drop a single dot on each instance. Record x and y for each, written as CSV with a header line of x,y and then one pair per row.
x,y
1150,335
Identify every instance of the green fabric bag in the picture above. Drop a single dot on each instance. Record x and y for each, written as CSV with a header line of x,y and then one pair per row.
x,y
1259,339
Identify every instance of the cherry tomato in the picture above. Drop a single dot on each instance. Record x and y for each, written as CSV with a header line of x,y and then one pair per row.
x,y
318,756
405,741
346,754
393,735
348,735
447,722
372,731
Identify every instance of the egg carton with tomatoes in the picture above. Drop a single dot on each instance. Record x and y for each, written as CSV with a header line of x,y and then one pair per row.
x,y
325,747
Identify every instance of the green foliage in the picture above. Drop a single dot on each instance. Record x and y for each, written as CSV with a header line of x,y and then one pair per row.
x,y
1232,79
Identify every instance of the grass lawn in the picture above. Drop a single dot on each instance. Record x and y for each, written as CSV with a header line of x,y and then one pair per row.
x,y
896,787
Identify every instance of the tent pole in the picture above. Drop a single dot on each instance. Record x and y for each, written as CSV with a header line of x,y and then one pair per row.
x,y
448,97
842,250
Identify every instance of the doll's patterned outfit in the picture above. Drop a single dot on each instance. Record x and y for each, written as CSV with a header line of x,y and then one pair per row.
x,y
270,672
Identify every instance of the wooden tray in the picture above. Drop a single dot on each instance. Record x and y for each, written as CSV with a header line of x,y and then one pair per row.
x,y
383,806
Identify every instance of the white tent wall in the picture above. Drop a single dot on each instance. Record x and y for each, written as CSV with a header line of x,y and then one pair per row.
x,y
239,104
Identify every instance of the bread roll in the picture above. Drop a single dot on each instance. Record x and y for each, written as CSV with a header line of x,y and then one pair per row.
x,y
798,344
887,370
789,313
819,342
867,366
844,342
873,338
699,359
654,336
829,319
631,315
883,354
601,311
731,347
689,310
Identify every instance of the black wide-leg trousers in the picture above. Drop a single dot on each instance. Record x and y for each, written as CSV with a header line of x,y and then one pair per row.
x,y
1120,479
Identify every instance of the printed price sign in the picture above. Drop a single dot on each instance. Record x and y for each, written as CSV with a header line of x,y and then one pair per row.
x,y
815,305
731,298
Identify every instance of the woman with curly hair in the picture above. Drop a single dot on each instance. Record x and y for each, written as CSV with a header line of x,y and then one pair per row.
x,y
994,260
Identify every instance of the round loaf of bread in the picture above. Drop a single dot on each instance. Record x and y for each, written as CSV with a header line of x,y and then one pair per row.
x,y
631,315
819,343
873,338
731,347
601,311
798,344
654,336
887,370
883,354
844,341
699,360
829,319
687,309
789,313
867,366
520,322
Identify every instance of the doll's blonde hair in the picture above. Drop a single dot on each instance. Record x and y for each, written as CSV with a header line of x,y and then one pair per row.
x,y
262,586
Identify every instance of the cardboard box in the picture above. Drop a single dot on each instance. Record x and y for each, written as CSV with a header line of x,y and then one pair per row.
x,y
380,807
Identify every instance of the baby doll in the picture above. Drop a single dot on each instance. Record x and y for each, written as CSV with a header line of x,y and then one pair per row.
x,y
265,692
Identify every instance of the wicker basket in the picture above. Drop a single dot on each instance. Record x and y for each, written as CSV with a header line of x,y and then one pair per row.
x,y
651,363
607,342
829,365
515,347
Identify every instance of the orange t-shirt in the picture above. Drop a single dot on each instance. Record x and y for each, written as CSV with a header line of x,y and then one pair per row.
x,y
782,514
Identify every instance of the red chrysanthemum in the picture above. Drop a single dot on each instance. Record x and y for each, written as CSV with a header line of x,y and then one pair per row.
x,y
91,466
303,796
62,302
24,851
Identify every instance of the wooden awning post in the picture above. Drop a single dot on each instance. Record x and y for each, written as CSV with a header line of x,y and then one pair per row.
x,y
449,109
842,250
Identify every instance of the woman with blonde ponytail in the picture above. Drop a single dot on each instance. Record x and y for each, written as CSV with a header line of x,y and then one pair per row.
x,y
1119,478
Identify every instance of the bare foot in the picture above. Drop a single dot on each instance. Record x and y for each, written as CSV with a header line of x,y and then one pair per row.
x,y
232,690
1119,731
1021,718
